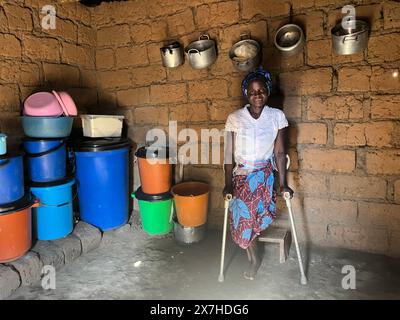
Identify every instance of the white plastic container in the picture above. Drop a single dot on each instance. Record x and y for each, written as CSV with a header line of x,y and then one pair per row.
x,y
3,144
101,126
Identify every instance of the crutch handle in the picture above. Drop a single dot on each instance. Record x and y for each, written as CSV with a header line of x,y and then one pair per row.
x,y
227,198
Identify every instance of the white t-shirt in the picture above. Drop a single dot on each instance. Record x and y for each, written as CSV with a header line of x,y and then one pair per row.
x,y
255,138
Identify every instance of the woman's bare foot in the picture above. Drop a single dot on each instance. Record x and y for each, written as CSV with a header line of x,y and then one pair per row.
x,y
254,261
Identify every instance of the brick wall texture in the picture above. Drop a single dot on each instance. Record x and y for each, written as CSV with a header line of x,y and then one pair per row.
x,y
344,110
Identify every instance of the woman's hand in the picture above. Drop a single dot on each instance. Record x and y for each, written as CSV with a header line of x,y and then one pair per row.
x,y
286,188
227,190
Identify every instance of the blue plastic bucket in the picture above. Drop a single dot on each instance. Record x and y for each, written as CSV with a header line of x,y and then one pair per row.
x,y
3,144
53,219
11,177
46,159
102,174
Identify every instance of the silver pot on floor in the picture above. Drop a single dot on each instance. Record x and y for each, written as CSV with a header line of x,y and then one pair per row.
x,y
188,235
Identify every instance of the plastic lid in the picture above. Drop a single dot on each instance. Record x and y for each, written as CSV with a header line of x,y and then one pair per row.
x,y
140,195
100,144
60,182
12,154
152,153
25,202
94,116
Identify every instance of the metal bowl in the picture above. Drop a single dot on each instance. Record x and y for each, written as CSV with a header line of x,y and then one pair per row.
x,y
189,235
289,39
249,64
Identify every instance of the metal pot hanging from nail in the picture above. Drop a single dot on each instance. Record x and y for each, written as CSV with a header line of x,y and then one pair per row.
x,y
289,39
172,55
350,41
202,53
245,54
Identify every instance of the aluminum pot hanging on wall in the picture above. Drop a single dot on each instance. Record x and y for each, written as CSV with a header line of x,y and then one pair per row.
x,y
172,55
350,41
201,53
245,54
289,39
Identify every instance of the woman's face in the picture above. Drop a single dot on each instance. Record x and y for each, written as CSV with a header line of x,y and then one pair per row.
x,y
257,93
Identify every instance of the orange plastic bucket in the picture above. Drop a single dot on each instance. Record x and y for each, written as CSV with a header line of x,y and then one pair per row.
x,y
191,203
16,229
155,172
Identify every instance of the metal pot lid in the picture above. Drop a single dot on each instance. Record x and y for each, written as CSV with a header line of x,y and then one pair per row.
x,y
100,144
140,195
152,153
25,202
338,31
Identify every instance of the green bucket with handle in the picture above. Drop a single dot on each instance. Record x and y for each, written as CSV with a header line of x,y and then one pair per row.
x,y
156,211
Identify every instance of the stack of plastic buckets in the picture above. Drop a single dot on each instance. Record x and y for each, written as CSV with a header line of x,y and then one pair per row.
x,y
102,175
52,185
15,207
154,197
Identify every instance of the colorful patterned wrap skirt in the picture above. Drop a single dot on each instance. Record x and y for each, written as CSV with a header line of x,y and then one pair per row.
x,y
253,206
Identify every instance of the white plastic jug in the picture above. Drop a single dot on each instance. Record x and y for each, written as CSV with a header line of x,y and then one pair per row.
x,y
3,144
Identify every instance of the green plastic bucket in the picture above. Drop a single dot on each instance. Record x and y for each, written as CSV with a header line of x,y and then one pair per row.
x,y
156,212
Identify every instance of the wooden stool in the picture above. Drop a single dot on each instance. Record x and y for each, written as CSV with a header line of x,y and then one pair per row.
x,y
278,235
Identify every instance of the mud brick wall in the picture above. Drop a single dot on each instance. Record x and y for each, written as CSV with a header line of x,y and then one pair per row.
x,y
32,58
344,111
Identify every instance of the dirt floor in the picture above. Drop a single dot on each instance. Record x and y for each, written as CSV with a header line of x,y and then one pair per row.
x,y
132,265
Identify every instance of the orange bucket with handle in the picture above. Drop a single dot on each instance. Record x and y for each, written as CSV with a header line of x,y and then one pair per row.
x,y
191,203
16,228
154,169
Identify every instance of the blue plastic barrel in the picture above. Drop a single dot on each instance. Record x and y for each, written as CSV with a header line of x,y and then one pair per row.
x,y
102,175
53,219
46,159
11,177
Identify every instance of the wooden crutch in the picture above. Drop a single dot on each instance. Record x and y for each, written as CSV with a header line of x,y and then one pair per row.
x,y
227,199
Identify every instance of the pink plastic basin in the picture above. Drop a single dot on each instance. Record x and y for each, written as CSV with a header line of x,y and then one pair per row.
x,y
66,102
42,104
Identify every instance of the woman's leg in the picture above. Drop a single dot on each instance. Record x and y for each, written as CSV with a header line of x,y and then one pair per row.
x,y
255,260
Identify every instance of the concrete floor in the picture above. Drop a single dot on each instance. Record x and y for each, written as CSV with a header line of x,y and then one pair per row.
x,y
172,271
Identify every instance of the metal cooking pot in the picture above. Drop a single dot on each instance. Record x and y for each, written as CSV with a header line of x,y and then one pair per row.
x,y
350,41
201,53
172,55
249,64
289,39
188,235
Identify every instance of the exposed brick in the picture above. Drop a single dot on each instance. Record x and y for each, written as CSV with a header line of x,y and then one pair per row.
x,y
394,247
105,58
302,4
357,187
115,35
354,79
70,246
327,160
217,14
61,75
311,133
159,31
176,93
230,35
359,238
160,8
114,79
313,23
191,112
391,15
306,82
310,183
9,98
64,29
319,52
369,13
141,33
266,8
186,72
8,72
3,22
10,46
214,177
29,268
151,115
292,107
383,162
377,134
89,236
18,18
131,56
222,66
153,52
133,97
220,109
84,97
146,75
208,89
49,254
385,107
235,86
385,80
397,191
78,55
87,36
379,214
129,11
9,281
335,107
330,211
181,23
349,58
88,78
384,48
41,48
29,74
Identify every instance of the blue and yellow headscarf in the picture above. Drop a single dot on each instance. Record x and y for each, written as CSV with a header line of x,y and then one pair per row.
x,y
259,74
